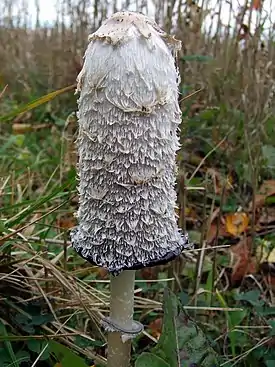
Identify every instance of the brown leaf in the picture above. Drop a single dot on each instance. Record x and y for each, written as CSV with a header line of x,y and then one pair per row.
x,y
66,221
214,231
236,223
243,263
102,273
155,327
266,190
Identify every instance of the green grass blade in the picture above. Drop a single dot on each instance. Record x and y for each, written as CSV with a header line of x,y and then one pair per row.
x,y
8,346
37,102
39,203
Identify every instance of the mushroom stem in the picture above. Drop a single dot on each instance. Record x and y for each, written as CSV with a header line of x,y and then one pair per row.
x,y
121,313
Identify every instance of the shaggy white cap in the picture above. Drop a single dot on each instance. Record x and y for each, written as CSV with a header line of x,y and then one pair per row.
x,y
128,122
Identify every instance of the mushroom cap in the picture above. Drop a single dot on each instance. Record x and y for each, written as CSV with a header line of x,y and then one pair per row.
x,y
128,123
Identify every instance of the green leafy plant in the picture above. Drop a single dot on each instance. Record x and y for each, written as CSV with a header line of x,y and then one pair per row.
x,y
182,342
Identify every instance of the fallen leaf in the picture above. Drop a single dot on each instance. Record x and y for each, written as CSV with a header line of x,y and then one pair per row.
x,y
266,190
102,273
215,232
243,263
155,327
66,221
236,223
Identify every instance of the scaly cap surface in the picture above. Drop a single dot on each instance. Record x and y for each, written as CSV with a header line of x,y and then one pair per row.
x,y
128,121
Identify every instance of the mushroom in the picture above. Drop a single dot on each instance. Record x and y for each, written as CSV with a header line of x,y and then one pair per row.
x,y
128,122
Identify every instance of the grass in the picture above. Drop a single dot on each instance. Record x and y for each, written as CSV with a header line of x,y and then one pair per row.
x,y
51,300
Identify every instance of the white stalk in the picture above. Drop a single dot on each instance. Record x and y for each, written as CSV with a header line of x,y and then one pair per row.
x,y
121,317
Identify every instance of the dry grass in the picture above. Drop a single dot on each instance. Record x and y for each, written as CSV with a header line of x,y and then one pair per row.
x,y
30,276
50,58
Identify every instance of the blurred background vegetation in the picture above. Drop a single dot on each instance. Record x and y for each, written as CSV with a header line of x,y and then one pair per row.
x,y
51,301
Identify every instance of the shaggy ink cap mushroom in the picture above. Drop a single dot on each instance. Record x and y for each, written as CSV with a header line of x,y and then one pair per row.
x,y
128,122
